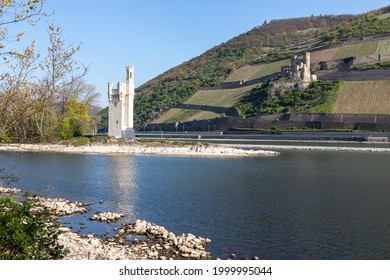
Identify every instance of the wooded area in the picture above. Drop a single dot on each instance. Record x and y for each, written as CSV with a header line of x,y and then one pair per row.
x,y
43,97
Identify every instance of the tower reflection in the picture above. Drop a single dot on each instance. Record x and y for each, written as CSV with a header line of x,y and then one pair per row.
x,y
122,188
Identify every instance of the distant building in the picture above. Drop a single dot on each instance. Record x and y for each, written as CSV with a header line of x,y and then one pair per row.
x,y
299,69
120,107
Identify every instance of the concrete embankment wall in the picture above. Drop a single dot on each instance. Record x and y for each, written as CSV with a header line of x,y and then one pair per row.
x,y
317,121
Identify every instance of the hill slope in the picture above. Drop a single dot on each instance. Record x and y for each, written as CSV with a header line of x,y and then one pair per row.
x,y
271,42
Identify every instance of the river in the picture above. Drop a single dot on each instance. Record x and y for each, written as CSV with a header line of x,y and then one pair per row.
x,y
299,205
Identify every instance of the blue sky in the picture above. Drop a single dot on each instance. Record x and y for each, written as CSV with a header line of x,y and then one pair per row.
x,y
155,36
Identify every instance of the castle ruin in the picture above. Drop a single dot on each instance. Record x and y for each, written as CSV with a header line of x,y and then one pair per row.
x,y
299,69
120,107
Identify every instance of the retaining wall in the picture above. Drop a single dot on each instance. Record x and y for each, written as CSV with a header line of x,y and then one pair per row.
x,y
317,121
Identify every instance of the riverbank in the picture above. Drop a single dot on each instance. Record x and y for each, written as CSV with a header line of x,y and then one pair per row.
x,y
312,148
141,240
134,148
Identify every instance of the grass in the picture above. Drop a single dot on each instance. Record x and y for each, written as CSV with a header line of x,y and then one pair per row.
x,y
364,97
257,71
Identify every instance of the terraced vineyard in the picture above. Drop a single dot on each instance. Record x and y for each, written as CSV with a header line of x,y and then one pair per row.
x,y
221,98
174,115
324,55
364,97
257,71
357,50
383,47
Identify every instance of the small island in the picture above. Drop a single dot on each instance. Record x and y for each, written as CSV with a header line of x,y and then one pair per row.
x,y
138,148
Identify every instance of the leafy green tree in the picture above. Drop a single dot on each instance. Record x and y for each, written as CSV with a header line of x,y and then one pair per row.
x,y
76,120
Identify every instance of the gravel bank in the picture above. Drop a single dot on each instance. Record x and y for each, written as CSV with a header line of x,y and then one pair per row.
x,y
141,149
314,148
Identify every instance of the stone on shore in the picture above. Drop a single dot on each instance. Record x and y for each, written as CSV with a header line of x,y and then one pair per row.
x,y
107,217
168,245
59,206
160,245
9,190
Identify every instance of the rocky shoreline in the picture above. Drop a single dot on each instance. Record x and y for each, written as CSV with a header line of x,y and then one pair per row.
x,y
160,244
138,241
131,148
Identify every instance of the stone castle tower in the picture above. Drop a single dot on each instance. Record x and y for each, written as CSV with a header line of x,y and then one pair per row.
x,y
120,107
299,69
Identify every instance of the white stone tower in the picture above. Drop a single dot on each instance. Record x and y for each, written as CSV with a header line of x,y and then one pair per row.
x,y
120,107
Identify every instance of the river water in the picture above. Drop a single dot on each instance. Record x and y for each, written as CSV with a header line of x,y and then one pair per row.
x,y
299,205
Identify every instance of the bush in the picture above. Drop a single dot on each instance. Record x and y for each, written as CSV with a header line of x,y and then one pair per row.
x,y
27,234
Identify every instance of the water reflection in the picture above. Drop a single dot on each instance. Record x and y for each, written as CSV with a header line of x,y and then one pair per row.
x,y
121,180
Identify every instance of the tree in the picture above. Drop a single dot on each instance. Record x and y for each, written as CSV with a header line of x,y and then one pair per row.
x,y
16,96
37,91
80,90
14,12
61,71
76,121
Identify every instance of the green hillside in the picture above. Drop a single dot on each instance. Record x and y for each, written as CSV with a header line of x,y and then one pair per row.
x,y
262,51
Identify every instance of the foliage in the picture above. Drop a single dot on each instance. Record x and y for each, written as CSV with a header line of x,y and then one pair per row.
x,y
34,109
102,126
319,97
76,120
26,234
323,65
367,25
379,65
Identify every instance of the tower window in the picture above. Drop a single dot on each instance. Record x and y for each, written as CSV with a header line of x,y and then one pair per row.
x,y
117,122
115,104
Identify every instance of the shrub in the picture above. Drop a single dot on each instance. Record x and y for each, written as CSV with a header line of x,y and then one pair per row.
x,y
27,234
